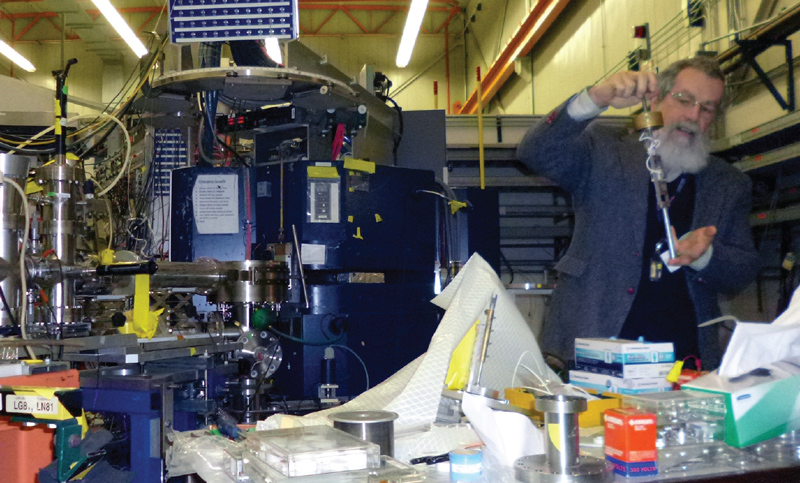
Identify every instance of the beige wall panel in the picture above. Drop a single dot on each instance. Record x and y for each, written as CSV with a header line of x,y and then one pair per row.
x,y
571,58
593,39
85,79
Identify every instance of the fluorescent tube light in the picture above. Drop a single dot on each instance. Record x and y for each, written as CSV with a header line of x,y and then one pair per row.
x,y
414,21
122,28
273,49
16,57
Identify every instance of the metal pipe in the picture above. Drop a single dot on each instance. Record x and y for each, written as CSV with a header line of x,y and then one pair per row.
x,y
61,184
486,334
300,264
207,274
12,223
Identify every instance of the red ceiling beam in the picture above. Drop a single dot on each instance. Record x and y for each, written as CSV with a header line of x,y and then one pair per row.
x,y
355,20
390,17
149,19
533,27
446,23
28,27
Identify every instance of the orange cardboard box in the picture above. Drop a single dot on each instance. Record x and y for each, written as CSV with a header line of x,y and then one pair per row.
x,y
630,435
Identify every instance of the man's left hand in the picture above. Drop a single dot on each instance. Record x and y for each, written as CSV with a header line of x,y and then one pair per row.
x,y
692,245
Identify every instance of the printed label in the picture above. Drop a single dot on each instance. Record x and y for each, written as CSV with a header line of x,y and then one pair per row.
x,y
31,404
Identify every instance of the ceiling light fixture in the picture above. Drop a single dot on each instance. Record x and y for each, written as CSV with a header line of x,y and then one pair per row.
x,y
16,57
273,49
122,28
413,23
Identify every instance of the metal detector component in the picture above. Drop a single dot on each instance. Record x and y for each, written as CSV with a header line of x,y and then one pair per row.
x,y
647,121
562,462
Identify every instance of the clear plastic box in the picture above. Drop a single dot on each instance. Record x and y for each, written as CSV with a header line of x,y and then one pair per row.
x,y
390,471
679,406
233,464
683,417
312,450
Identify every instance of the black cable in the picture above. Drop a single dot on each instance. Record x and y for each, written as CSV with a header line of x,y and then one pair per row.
x,y
400,137
8,308
213,131
508,265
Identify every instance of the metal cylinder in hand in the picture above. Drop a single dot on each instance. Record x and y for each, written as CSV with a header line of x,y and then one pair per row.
x,y
648,119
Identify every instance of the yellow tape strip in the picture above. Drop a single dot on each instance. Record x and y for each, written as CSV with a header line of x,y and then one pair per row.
x,y
141,303
554,432
359,165
323,172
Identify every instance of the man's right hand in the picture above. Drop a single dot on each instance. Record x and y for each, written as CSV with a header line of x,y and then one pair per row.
x,y
624,89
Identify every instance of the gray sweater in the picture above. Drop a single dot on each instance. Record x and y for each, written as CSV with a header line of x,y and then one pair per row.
x,y
604,171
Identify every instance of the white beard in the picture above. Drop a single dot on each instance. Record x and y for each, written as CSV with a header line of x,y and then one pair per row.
x,y
680,154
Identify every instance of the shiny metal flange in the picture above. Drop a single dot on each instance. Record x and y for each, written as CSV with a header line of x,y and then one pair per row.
x,y
252,281
261,85
534,469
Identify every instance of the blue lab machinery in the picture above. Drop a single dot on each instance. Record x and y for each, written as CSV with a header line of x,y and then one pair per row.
x,y
368,245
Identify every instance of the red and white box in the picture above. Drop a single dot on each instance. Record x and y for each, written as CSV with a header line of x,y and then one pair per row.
x,y
630,441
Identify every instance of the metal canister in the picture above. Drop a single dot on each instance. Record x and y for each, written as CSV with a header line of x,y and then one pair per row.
x,y
372,426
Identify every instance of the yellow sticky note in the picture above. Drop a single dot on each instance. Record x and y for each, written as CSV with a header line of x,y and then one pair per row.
x,y
350,219
192,351
358,233
323,172
378,218
359,165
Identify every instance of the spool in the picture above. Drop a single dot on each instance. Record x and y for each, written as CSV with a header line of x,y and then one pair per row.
x,y
648,120
465,464
372,426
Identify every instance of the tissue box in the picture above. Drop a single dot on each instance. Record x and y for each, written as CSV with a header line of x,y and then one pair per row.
x,y
604,383
761,404
624,358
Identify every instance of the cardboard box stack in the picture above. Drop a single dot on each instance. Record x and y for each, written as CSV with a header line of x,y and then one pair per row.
x,y
622,366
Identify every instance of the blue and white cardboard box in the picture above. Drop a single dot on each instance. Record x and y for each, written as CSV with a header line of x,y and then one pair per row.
x,y
761,404
606,383
623,358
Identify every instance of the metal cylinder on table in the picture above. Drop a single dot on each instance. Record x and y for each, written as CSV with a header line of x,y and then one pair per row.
x,y
561,429
12,223
562,462
373,426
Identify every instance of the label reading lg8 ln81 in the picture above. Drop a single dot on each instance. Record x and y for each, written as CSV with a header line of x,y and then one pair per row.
x,y
31,404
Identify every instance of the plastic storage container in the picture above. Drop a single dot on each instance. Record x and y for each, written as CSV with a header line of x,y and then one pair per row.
x,y
390,471
313,450
683,417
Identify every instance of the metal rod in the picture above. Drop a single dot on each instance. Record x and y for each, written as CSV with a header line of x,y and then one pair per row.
x,y
300,264
668,227
486,333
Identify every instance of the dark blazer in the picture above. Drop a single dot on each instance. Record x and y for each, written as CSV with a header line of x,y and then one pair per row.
x,y
604,171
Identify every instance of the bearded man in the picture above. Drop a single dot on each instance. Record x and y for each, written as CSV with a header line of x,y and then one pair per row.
x,y
605,285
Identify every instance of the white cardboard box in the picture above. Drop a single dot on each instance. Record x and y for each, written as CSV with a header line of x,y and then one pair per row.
x,y
606,383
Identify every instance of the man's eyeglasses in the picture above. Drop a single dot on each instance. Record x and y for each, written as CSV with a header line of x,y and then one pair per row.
x,y
688,101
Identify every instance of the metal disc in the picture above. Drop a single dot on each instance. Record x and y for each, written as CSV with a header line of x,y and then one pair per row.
x,y
534,469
